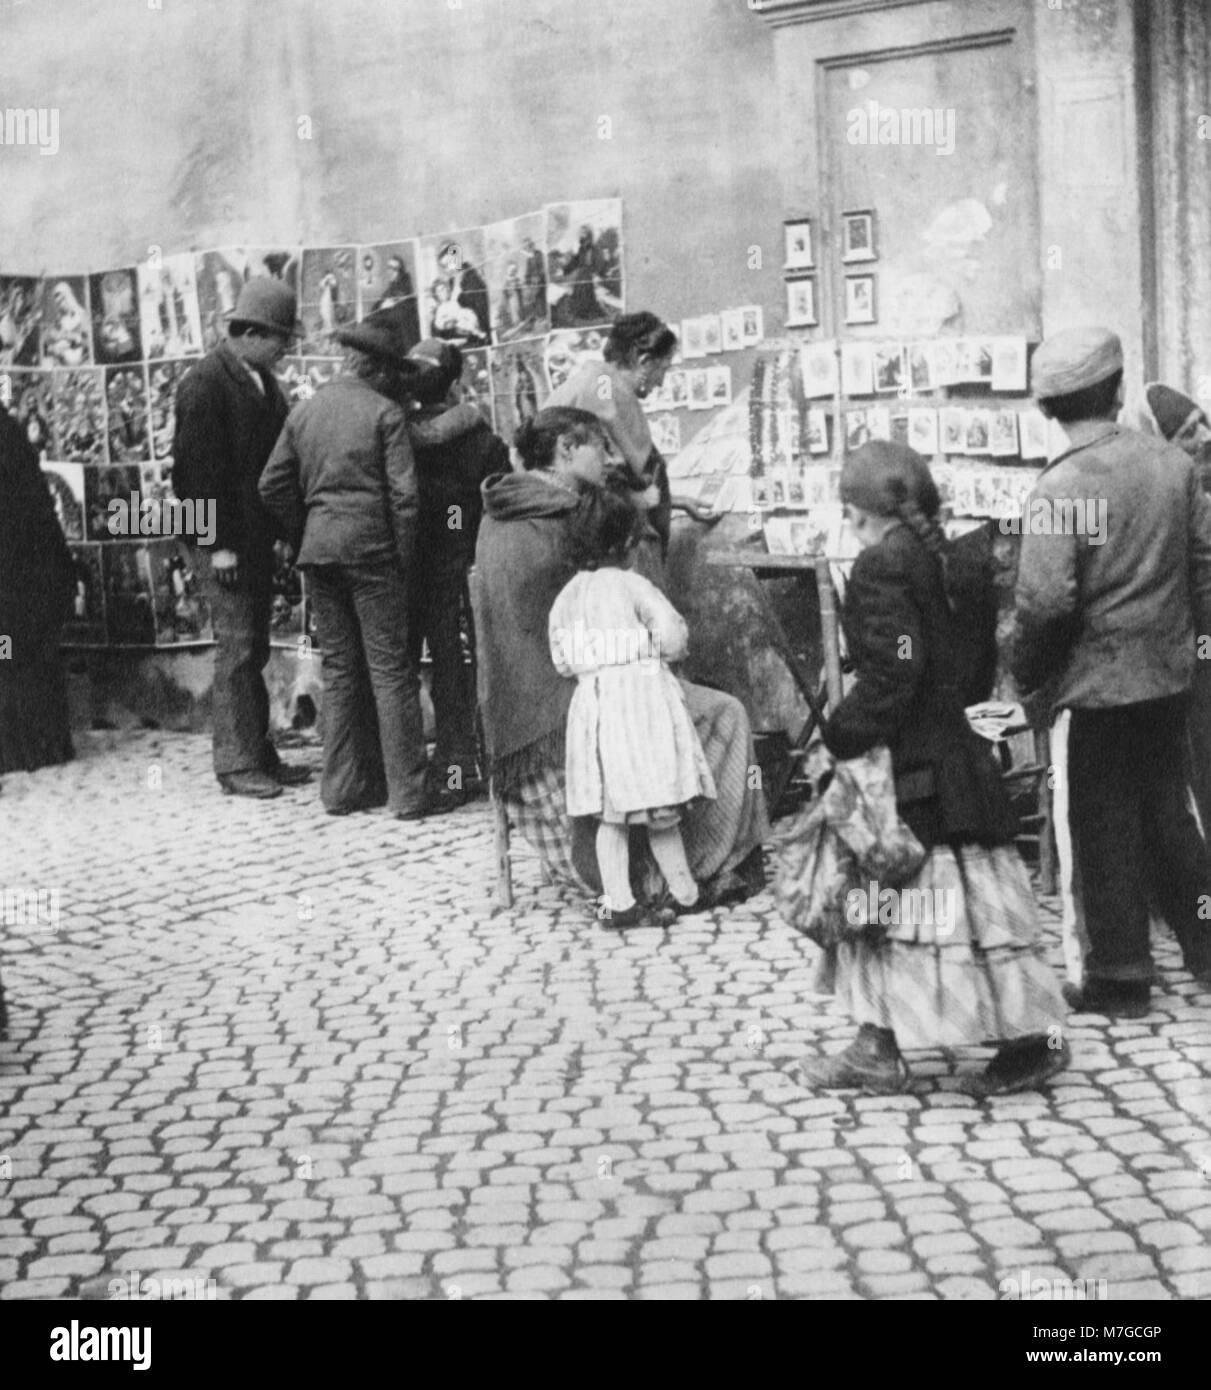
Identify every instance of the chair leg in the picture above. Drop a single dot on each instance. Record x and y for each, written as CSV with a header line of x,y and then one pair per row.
x,y
504,862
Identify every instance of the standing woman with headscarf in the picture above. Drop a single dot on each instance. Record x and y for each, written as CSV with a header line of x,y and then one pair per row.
x,y
638,353
920,620
37,583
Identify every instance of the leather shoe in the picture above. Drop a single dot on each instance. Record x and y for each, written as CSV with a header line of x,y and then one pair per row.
x,y
434,804
1112,998
286,775
259,785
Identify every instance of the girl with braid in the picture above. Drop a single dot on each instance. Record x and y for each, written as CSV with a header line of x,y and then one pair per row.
x,y
920,621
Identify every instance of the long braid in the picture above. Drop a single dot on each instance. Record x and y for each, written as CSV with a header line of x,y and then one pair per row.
x,y
928,530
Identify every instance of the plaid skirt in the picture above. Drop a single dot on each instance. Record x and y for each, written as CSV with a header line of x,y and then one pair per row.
x,y
968,970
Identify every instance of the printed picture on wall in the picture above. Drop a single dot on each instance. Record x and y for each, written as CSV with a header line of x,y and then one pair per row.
x,y
801,302
817,437
981,360
754,324
712,334
857,369
878,419
719,385
476,385
732,322
327,297
519,384
221,276
79,415
818,367
86,615
700,388
129,605
797,240
920,367
109,483
954,429
155,479
943,362
666,435
1008,364
163,378
860,299
66,326
693,343
567,350
66,484
18,321
516,272
678,384
386,277
857,237
127,415
29,396
181,613
923,431
114,300
454,297
976,440
584,262
889,368
857,429
168,307
1033,429
1003,433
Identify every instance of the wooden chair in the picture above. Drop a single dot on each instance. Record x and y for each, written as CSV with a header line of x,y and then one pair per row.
x,y
500,815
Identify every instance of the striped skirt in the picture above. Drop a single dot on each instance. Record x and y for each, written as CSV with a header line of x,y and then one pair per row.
x,y
967,971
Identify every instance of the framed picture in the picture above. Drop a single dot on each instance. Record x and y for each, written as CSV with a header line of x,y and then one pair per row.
x,y
857,237
800,254
860,299
801,302
889,368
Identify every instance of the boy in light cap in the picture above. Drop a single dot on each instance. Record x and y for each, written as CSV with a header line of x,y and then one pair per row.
x,y
1106,624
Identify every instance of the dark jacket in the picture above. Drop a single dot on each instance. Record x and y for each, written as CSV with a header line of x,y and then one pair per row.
x,y
918,665
225,431
524,558
456,453
342,479
1114,623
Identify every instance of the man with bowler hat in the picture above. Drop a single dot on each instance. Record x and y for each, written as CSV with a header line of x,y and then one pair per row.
x,y
229,412
342,483
1106,616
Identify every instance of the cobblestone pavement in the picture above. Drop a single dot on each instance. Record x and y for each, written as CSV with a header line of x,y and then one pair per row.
x,y
300,1056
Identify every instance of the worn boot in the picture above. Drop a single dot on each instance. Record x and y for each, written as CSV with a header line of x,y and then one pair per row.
x,y
1022,1064
872,1062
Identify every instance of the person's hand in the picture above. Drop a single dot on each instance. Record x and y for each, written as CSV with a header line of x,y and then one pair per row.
x,y
226,565
283,553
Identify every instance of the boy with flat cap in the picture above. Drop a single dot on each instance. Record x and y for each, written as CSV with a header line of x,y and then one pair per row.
x,y
1105,620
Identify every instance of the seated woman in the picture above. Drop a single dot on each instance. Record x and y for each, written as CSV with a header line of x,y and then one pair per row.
x,y
920,619
528,549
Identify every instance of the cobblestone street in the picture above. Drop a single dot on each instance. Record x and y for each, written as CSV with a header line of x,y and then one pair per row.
x,y
303,1057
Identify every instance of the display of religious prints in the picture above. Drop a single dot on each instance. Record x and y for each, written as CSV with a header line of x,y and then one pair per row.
x,y
454,299
66,326
181,613
86,616
127,415
476,384
568,350
18,321
114,299
519,384
163,379
29,397
104,486
221,276
129,605
278,262
168,307
79,415
386,278
584,262
327,297
515,270
66,484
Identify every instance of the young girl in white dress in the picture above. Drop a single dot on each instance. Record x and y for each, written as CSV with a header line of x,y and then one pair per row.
x,y
633,756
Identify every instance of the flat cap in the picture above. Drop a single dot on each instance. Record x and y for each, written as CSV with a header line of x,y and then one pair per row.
x,y
1074,358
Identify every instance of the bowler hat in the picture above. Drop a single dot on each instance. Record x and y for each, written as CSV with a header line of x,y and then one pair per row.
x,y
267,303
386,334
